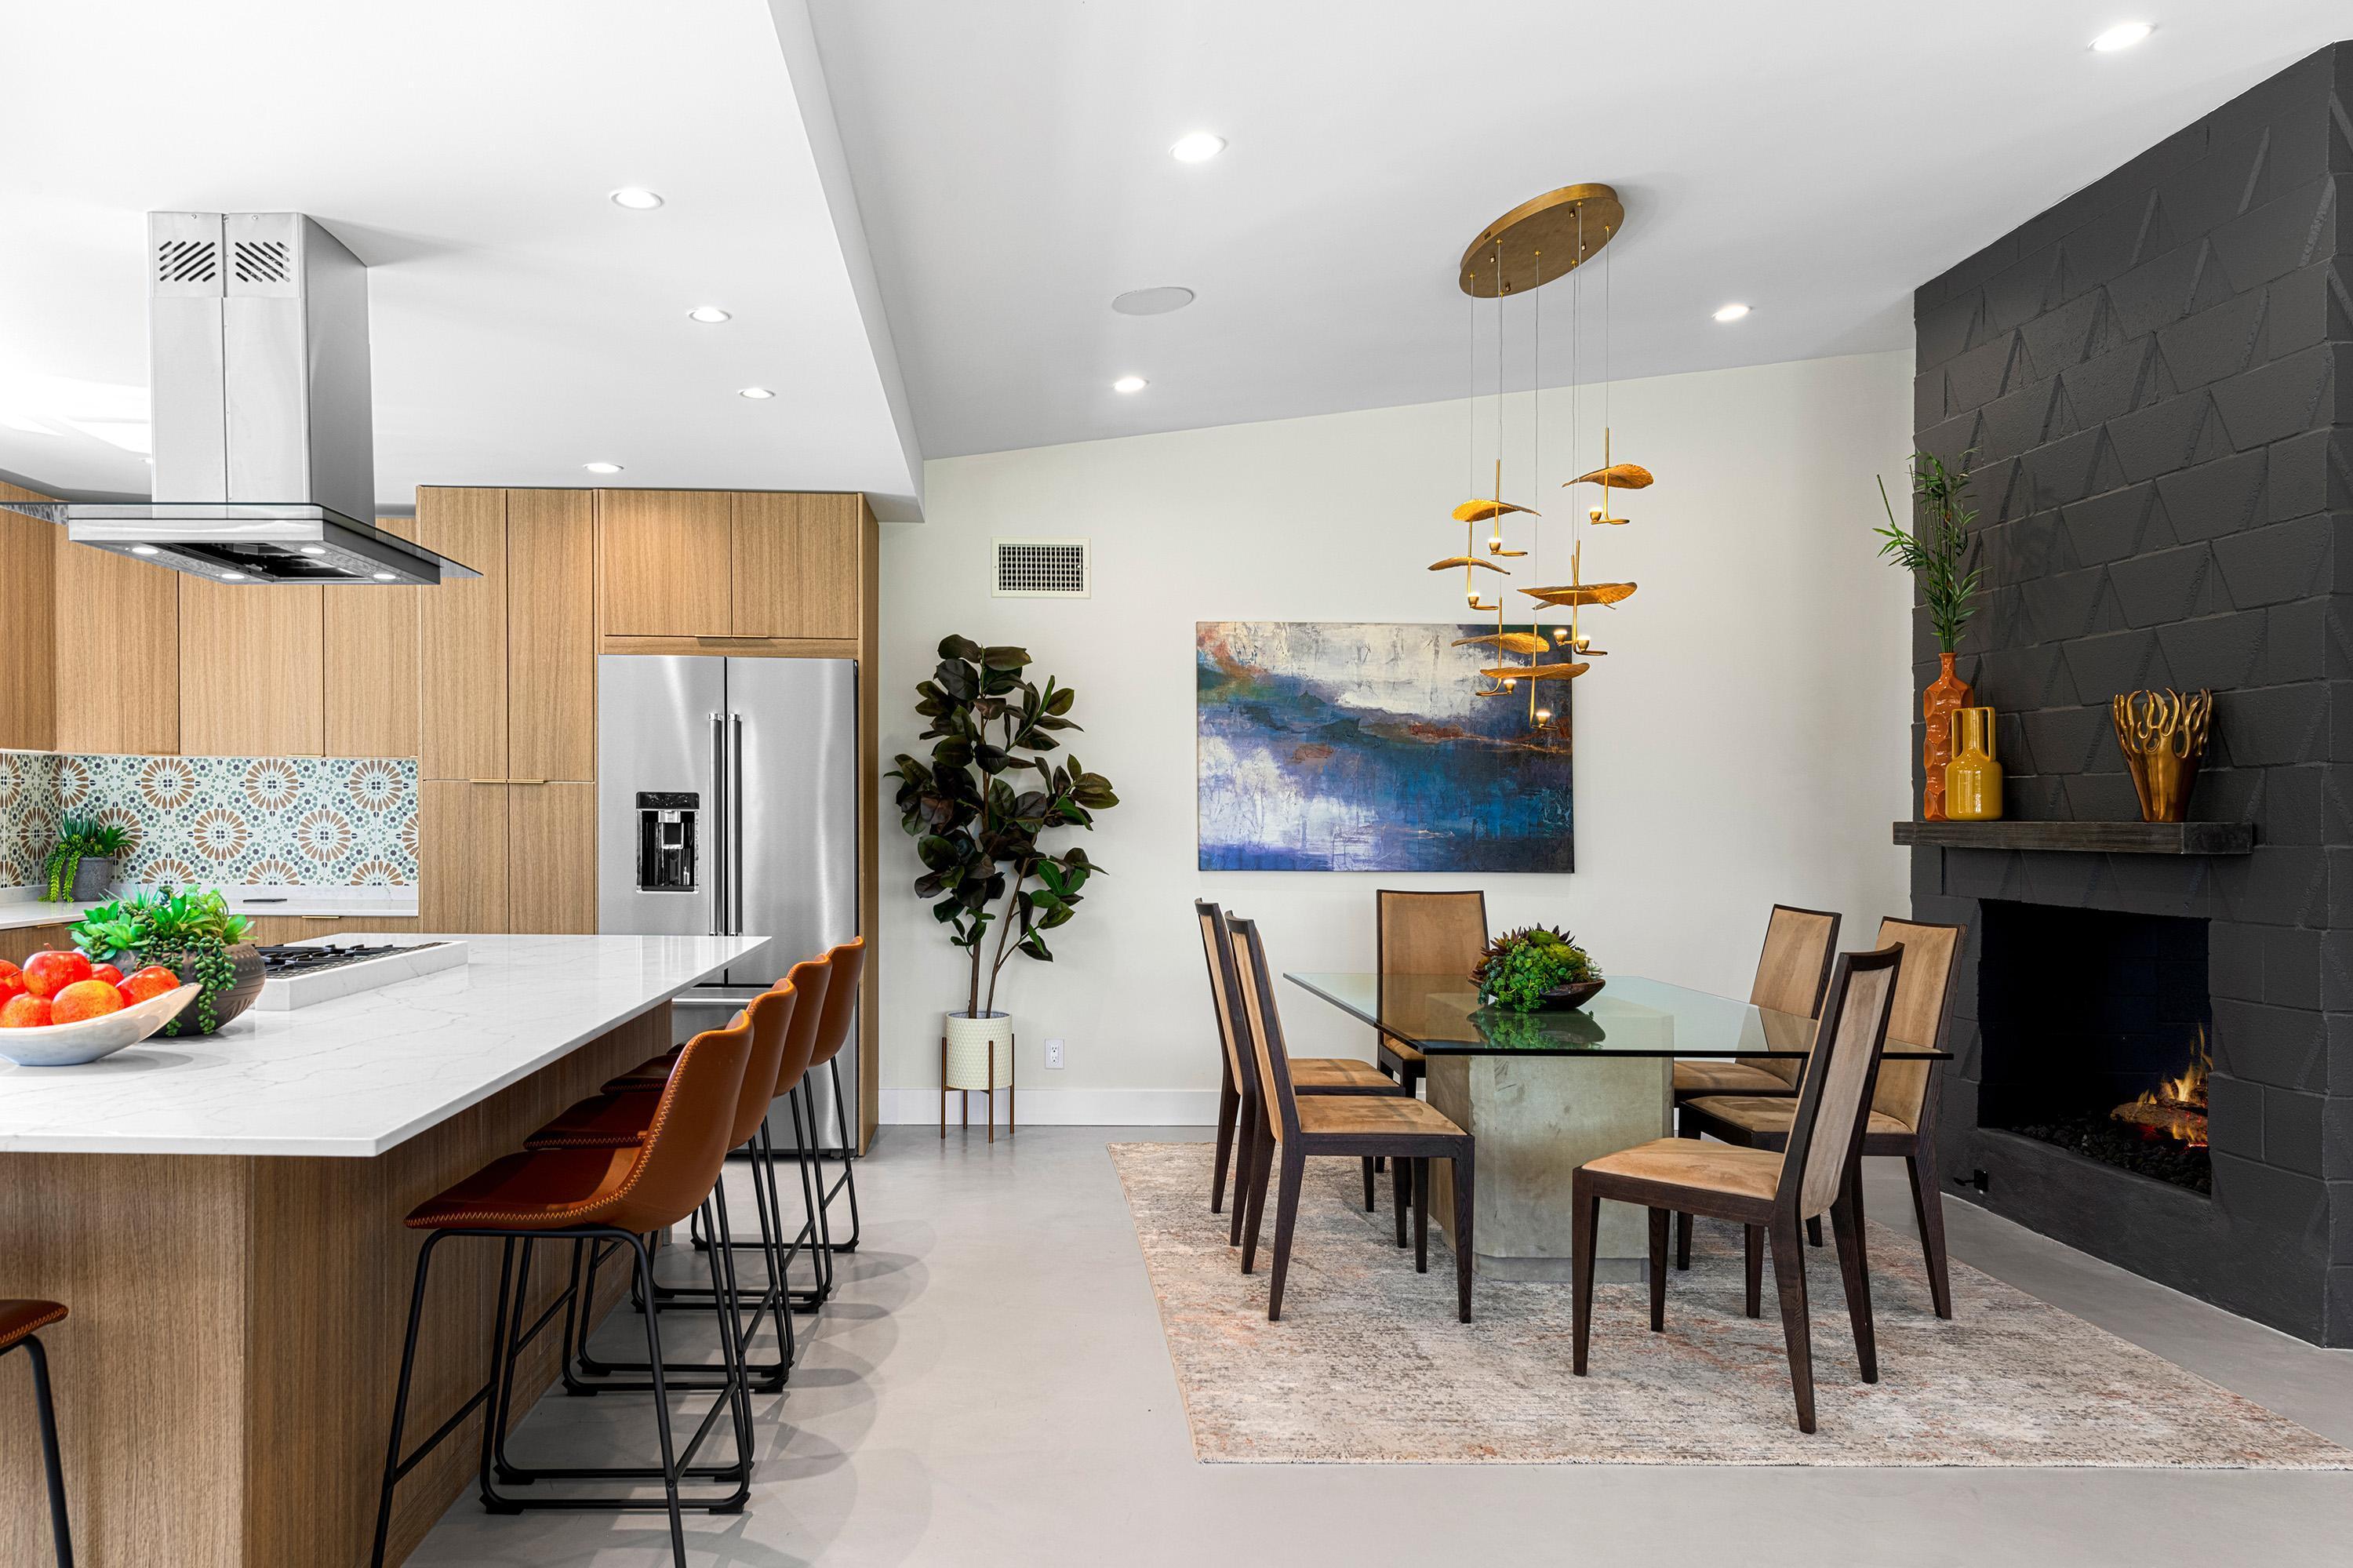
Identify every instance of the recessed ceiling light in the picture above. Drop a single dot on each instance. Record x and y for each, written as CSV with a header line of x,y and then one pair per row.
x,y
602,467
385,577
2123,36
315,549
1156,301
232,577
1130,384
757,394
1198,147
636,198
143,549
706,313
1732,312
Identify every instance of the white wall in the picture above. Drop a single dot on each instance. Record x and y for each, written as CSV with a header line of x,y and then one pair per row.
x,y
1743,743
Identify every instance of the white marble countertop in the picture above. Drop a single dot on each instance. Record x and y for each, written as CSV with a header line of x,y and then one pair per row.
x,y
361,1073
17,914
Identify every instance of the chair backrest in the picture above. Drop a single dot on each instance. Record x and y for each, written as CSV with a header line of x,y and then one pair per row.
x,y
1791,972
1238,1075
770,1014
1836,1099
812,983
1921,1013
844,963
1254,1004
688,1139
1430,933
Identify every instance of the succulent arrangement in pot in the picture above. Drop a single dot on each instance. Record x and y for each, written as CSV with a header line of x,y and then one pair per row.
x,y
196,935
978,811
81,866
1536,967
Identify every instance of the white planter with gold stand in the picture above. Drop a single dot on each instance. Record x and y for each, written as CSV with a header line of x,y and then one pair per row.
x,y
976,1054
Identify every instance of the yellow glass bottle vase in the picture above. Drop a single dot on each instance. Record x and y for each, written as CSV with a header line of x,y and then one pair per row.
x,y
1973,777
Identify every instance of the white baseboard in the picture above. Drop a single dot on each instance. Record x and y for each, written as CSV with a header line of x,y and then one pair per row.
x,y
1063,1107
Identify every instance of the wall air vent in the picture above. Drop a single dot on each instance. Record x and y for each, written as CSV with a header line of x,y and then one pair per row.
x,y
1044,569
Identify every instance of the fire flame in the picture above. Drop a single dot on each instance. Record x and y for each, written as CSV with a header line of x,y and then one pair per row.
x,y
2176,1108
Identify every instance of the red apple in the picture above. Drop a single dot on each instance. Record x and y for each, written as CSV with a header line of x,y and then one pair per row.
x,y
85,999
145,985
47,973
25,1012
106,972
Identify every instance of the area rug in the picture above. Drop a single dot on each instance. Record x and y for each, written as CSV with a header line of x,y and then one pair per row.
x,y
1369,1366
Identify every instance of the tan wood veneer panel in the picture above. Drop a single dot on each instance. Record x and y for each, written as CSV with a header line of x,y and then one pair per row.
x,y
28,677
552,857
797,564
118,623
551,667
666,557
462,639
371,664
252,669
461,842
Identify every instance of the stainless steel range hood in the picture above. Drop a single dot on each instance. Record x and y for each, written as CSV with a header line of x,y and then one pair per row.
x,y
265,447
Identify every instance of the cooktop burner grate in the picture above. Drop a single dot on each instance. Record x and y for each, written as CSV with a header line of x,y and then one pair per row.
x,y
276,963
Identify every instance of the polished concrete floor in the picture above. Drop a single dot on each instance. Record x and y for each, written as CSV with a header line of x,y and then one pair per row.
x,y
992,1387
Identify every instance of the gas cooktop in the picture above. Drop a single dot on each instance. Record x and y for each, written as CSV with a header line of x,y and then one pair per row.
x,y
300,974
279,963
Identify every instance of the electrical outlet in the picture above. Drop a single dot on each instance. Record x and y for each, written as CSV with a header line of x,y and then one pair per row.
x,y
1054,1054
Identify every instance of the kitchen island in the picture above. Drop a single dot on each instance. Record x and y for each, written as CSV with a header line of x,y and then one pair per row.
x,y
221,1215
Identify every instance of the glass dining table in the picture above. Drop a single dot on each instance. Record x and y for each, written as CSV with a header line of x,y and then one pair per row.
x,y
1545,1092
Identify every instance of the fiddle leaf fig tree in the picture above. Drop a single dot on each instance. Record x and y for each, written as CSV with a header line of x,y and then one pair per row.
x,y
978,810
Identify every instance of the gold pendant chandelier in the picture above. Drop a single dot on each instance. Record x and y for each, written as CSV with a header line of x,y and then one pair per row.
x,y
1548,238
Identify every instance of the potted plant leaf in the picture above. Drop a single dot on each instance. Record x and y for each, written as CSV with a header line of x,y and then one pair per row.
x,y
1941,553
978,817
81,867
196,935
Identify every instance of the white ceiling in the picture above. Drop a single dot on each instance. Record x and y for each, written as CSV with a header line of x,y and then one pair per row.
x,y
523,324
1816,159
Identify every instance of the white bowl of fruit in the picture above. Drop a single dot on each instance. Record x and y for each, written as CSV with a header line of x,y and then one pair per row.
x,y
60,1009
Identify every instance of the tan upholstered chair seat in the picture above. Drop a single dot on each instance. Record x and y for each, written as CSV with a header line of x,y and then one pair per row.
x,y
1399,1049
1712,1166
1757,1114
1374,1114
1703,1077
1338,1075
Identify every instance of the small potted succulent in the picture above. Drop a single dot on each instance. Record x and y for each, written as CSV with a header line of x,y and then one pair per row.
x,y
81,867
196,935
1536,967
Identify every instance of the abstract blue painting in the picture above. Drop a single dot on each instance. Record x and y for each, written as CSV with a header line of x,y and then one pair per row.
x,y
1344,746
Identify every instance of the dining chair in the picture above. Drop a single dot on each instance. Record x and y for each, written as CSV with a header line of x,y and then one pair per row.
x,y
20,1325
1791,974
1903,1122
1425,934
1407,1131
1239,1083
1767,1191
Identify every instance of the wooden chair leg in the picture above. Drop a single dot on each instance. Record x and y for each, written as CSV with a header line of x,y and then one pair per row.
x,y
1658,1267
1421,1216
1228,1102
1928,1210
1814,1231
1263,1149
1683,1241
1584,1219
1245,1148
1854,1273
1464,1174
1369,1204
1286,1214
1402,1192
1754,1261
1789,1279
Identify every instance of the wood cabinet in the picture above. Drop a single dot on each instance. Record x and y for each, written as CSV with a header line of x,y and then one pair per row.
x,y
669,562
22,942
761,566
118,626
796,565
509,661
508,857
252,669
29,550
372,670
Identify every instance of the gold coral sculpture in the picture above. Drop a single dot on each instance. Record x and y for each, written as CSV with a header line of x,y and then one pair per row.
x,y
2163,736
1540,241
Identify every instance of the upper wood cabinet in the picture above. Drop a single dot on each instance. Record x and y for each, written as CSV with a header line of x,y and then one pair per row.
x,y
252,669
28,550
509,661
669,558
756,566
117,625
371,664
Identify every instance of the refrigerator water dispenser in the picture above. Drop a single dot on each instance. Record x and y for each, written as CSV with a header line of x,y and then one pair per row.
x,y
666,841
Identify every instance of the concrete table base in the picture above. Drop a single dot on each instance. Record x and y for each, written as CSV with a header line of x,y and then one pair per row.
x,y
1536,1120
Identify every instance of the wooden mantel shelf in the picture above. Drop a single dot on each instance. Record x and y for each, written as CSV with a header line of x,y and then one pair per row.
x,y
2094,838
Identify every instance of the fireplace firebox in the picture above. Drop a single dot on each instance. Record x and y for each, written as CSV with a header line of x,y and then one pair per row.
x,y
2094,1027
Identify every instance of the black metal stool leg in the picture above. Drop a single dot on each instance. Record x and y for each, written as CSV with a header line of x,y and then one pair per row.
x,y
394,1466
849,1160
52,1466
805,1115
661,1411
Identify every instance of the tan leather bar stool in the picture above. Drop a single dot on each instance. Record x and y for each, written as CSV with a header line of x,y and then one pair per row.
x,y
20,1321
594,1195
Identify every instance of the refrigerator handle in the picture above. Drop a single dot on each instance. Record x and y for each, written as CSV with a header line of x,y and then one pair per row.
x,y
735,824
720,852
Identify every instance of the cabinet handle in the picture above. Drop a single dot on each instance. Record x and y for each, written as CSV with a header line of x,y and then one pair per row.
x,y
506,780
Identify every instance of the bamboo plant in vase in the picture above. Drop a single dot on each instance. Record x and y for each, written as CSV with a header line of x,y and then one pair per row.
x,y
978,822
1941,553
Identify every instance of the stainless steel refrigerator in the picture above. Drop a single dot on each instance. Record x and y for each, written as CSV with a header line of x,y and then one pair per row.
x,y
727,803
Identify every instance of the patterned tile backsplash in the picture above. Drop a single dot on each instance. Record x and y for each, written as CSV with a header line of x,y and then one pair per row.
x,y
226,821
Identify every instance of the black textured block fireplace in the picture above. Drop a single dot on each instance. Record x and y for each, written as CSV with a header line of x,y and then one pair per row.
x,y
2154,384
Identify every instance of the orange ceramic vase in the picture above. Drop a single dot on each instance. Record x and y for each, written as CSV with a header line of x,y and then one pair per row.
x,y
1945,693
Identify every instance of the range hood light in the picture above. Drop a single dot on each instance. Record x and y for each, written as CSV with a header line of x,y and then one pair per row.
x,y
315,549
143,549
